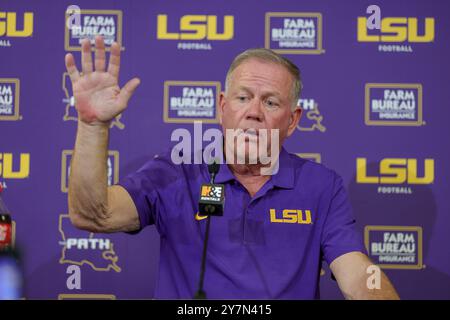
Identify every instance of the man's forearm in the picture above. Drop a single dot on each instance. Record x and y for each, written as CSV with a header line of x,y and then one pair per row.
x,y
363,291
88,174
359,278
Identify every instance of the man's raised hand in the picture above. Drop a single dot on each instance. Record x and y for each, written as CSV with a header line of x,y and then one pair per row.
x,y
98,97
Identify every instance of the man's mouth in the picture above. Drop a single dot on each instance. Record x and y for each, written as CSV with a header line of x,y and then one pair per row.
x,y
250,134
253,132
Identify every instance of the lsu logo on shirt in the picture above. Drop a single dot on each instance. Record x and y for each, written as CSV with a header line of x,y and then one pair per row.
x,y
195,27
396,171
13,27
291,216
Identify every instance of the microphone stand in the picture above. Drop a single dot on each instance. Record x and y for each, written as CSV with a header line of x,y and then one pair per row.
x,y
201,294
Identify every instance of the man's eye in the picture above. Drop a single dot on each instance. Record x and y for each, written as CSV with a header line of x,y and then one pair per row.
x,y
271,103
242,98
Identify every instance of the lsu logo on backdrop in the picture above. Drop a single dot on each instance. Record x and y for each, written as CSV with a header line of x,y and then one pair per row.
x,y
400,30
291,216
86,248
9,99
106,23
70,113
112,167
198,28
312,118
11,168
15,25
394,247
393,104
315,157
396,175
189,101
294,32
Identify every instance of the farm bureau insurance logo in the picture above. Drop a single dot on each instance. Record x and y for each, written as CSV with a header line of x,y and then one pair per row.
x,y
312,118
396,175
394,247
195,32
70,112
402,31
83,247
112,168
393,104
106,23
9,99
294,32
189,101
14,25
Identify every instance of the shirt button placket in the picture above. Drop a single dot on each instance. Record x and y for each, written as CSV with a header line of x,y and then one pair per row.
x,y
246,212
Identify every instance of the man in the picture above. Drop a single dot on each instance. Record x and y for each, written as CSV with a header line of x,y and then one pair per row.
x,y
276,229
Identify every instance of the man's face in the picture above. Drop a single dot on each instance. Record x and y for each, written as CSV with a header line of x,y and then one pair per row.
x,y
258,97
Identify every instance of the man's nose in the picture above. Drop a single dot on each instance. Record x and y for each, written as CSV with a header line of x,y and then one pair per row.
x,y
255,111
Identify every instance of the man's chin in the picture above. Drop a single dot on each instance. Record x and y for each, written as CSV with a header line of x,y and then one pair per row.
x,y
248,154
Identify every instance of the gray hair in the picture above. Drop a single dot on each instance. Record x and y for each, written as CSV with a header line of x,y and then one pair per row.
x,y
269,56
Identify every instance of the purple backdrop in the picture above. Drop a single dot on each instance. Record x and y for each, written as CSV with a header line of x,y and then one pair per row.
x,y
376,111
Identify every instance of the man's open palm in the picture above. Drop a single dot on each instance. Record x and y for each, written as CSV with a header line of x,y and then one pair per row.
x,y
98,97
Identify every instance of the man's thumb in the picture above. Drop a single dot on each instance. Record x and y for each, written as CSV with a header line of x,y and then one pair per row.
x,y
128,90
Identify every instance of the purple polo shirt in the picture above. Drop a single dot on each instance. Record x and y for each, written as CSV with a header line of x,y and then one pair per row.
x,y
270,246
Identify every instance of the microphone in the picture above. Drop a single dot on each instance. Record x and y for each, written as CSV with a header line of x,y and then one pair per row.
x,y
213,169
211,203
212,196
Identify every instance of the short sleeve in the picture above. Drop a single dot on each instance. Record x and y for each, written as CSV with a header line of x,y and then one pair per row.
x,y
147,187
339,234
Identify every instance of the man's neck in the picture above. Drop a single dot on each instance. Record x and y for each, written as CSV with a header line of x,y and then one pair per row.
x,y
249,176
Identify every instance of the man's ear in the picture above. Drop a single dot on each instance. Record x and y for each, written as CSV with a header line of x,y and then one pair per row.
x,y
294,120
221,105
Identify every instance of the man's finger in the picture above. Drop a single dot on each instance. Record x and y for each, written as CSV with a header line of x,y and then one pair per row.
x,y
71,68
100,60
128,89
114,60
86,56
